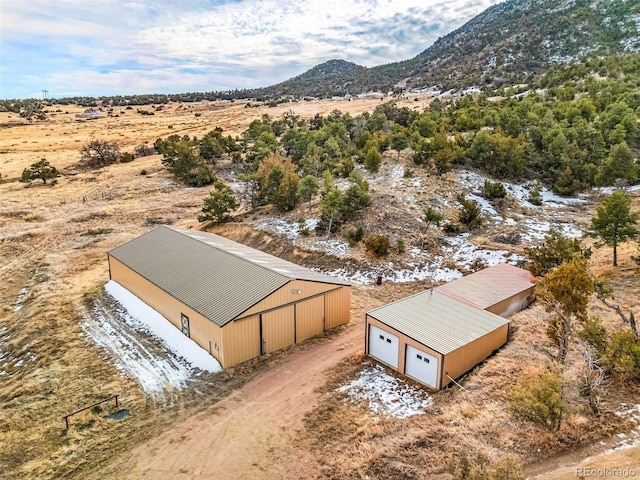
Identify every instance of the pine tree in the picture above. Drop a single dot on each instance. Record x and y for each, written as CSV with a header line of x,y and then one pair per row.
x,y
41,170
217,206
308,188
615,222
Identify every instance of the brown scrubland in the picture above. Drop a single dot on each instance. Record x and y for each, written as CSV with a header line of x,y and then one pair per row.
x,y
278,416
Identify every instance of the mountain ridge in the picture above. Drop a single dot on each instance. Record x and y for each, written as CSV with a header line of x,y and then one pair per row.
x,y
510,42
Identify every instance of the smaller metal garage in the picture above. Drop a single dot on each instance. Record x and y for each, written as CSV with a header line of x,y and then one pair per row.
x,y
432,337
502,289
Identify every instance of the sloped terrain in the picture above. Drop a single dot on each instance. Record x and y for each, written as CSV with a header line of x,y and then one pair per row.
x,y
53,241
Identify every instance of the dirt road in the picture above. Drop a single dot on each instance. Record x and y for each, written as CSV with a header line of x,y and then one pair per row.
x,y
250,434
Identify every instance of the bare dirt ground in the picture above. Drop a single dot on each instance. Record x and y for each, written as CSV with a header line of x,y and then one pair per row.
x,y
265,419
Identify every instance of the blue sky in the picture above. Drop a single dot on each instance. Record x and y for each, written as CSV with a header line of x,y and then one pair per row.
x,y
124,47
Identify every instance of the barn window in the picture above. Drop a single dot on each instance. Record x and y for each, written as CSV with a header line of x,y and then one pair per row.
x,y
185,325
426,360
419,356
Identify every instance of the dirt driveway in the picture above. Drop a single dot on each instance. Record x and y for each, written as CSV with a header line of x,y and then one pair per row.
x,y
250,433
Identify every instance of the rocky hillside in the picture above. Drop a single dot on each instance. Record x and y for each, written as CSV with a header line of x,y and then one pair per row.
x,y
510,42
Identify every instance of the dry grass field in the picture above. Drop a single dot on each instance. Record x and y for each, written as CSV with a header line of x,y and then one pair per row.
x,y
53,244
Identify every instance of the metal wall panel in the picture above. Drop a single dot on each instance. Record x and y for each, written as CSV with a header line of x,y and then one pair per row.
x,y
465,358
241,340
309,318
277,329
337,307
293,291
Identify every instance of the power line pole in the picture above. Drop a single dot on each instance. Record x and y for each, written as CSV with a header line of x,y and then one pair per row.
x,y
45,94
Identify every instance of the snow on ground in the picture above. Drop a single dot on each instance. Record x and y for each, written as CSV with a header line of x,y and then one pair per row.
x,y
475,182
386,395
158,326
291,230
632,438
163,358
14,358
610,190
537,230
458,250
464,253
20,299
534,228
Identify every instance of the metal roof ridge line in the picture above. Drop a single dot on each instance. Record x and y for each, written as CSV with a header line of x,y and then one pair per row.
x,y
183,232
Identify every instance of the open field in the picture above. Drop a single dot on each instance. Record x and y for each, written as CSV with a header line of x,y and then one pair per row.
x,y
276,416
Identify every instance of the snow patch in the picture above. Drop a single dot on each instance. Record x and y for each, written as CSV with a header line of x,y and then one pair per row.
x,y
153,322
631,439
385,394
291,230
168,360
20,299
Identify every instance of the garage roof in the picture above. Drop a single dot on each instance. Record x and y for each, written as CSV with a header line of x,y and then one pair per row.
x,y
490,286
215,276
438,321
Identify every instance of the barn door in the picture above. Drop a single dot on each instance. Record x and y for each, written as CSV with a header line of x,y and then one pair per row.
x,y
185,325
309,318
278,330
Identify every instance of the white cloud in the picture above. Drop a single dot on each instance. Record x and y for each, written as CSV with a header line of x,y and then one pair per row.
x,y
224,44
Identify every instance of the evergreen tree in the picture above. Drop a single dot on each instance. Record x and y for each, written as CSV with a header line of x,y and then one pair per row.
x,y
538,398
332,205
220,202
554,251
308,188
619,166
615,222
372,159
41,170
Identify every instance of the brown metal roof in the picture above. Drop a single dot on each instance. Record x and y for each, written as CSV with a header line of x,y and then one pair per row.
x,y
215,276
438,321
490,286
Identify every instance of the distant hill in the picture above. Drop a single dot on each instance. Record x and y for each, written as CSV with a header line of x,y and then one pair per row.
x,y
334,76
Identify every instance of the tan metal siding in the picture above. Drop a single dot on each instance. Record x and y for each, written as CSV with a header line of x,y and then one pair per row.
x,y
283,295
278,329
309,318
402,346
241,340
337,307
513,304
465,358
204,332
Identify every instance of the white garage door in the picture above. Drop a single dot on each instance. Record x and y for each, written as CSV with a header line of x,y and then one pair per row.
x,y
383,346
421,366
